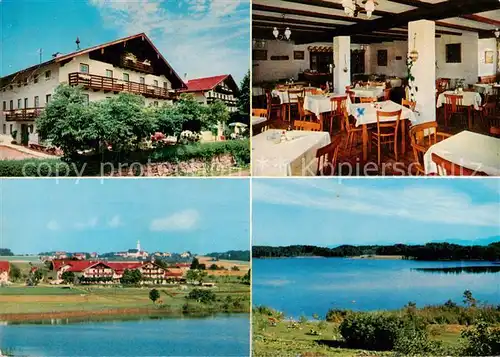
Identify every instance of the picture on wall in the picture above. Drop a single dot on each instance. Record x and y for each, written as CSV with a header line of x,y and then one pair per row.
x,y
298,55
259,55
382,58
488,57
454,53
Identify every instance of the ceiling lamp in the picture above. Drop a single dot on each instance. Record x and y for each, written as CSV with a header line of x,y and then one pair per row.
x,y
285,36
497,33
352,8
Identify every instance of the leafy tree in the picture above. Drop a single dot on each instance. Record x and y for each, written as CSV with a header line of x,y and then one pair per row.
x,y
244,96
195,264
68,277
192,112
154,295
5,252
161,263
196,275
203,296
131,277
14,272
469,300
217,114
169,120
213,267
124,121
34,278
235,268
481,340
246,278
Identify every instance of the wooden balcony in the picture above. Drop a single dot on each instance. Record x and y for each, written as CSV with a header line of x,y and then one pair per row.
x,y
106,84
228,102
136,66
27,114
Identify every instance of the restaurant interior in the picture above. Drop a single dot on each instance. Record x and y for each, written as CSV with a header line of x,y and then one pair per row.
x,y
375,87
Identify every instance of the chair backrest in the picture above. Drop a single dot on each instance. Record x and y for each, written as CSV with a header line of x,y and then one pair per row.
x,y
495,131
306,125
294,94
448,168
387,94
311,91
259,113
453,101
352,95
327,157
367,100
300,105
420,131
408,104
338,105
348,125
389,124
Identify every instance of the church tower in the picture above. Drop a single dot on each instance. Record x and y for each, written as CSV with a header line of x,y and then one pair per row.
x,y
138,245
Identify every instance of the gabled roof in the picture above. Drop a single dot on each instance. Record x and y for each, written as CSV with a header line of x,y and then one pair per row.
x,y
4,266
209,83
98,47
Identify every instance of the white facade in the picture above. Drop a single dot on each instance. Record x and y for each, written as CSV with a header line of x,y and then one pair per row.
x,y
21,94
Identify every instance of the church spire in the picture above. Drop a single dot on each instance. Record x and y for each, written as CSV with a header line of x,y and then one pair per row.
x,y
138,245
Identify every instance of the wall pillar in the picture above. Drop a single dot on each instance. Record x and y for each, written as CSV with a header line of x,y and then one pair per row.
x,y
342,61
421,37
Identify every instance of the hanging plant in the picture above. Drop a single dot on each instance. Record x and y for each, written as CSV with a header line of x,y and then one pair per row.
x,y
411,79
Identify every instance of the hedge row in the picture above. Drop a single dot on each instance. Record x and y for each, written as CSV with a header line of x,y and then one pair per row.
x,y
91,165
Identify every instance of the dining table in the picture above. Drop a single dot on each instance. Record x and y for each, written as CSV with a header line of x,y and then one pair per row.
x,y
293,156
321,104
257,120
471,150
368,92
366,114
471,100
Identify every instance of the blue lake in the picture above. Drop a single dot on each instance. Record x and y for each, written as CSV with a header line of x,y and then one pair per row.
x,y
220,335
305,286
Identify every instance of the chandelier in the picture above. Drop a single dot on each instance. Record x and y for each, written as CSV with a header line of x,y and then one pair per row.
x,y
282,36
352,8
497,33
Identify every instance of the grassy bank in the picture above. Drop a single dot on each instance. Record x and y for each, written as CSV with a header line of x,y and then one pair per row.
x,y
43,301
406,332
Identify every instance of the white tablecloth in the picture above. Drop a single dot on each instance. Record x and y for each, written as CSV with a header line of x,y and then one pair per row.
x,y
369,92
366,113
295,157
469,99
471,150
319,104
484,88
395,82
258,120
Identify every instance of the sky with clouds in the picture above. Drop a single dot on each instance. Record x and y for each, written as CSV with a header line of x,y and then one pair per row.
x,y
174,215
328,212
198,37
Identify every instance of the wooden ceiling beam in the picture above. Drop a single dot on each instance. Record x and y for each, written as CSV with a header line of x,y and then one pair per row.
x,y
292,21
287,11
436,12
458,27
336,6
482,19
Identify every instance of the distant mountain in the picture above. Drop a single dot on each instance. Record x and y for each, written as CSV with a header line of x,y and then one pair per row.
x,y
481,241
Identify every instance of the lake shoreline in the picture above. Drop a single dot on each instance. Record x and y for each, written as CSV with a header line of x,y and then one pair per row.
x,y
89,315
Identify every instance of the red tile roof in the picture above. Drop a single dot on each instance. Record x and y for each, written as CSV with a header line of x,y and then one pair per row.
x,y
80,265
4,266
204,84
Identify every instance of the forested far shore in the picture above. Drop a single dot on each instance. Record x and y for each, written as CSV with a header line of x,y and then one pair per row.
x,y
430,251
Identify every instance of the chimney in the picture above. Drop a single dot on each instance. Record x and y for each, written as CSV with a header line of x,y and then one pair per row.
x,y
77,44
185,77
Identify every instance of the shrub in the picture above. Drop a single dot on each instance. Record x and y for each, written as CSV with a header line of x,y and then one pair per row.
x,y
481,340
337,315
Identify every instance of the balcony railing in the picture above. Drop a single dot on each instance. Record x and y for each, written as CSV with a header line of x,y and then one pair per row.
x,y
107,84
136,66
22,114
228,102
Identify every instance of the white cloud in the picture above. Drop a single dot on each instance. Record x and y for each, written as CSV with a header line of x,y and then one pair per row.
x,y
53,225
416,201
91,223
195,38
179,221
115,222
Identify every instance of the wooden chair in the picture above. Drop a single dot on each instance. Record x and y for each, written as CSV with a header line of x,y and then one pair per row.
x,y
452,106
495,131
327,158
303,113
306,125
352,96
422,137
272,107
387,94
352,131
368,100
387,132
311,91
293,101
408,104
259,113
338,106
448,168
488,107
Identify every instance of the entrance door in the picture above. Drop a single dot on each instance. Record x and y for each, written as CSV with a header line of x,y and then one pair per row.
x,y
24,134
